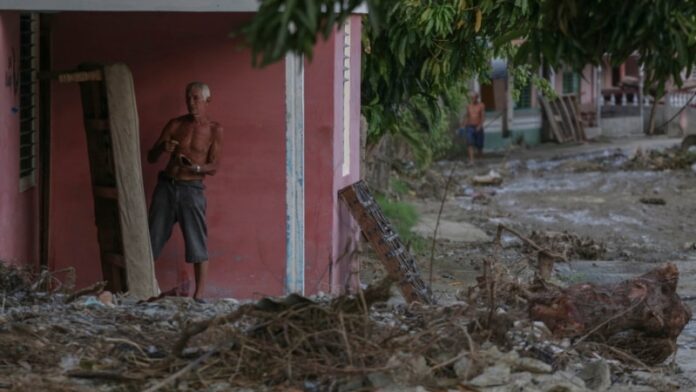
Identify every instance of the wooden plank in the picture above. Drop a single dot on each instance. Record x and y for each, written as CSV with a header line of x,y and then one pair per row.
x,y
125,135
551,116
568,126
575,106
80,76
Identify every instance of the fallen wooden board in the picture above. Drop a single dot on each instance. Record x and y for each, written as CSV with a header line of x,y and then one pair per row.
x,y
399,263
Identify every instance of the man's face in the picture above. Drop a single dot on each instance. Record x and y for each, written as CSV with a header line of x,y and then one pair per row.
x,y
196,103
474,98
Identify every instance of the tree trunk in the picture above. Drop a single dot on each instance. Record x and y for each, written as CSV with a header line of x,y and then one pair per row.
x,y
651,120
642,315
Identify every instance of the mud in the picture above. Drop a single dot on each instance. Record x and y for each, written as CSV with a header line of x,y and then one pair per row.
x,y
592,192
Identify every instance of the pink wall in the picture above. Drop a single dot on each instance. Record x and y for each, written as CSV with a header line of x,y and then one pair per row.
x,y
246,199
18,210
344,227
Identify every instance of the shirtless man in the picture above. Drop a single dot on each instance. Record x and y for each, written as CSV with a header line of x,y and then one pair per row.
x,y
193,142
472,125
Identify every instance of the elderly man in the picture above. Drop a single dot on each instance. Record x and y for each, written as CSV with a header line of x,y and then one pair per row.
x,y
194,142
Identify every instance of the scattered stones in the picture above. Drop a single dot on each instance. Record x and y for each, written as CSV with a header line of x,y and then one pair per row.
x,y
409,369
465,368
492,178
492,376
597,375
568,244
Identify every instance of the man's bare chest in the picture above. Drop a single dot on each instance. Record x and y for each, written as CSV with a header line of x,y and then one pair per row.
x,y
193,137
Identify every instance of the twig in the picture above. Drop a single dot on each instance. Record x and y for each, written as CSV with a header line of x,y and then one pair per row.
x,y
449,361
344,335
127,342
103,374
199,327
182,371
529,242
602,324
92,289
437,224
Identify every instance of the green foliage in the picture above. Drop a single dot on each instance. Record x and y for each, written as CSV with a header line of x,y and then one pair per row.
x,y
282,26
420,51
403,217
398,186
417,51
578,32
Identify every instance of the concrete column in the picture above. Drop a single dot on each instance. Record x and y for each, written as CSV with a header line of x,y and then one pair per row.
x,y
294,174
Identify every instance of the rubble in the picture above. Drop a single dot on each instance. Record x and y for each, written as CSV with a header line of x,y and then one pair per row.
x,y
569,245
491,178
668,159
486,342
642,316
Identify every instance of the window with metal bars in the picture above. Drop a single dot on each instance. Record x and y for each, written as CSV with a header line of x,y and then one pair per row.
x,y
524,101
28,99
571,83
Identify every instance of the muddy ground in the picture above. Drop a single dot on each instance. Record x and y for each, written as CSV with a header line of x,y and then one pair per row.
x,y
611,193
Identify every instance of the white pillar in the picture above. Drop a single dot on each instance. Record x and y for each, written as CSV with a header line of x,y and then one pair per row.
x,y
294,174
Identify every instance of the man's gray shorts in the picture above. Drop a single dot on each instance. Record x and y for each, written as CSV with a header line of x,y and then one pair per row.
x,y
184,202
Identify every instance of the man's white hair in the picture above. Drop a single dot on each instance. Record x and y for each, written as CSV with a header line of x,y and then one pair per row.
x,y
205,90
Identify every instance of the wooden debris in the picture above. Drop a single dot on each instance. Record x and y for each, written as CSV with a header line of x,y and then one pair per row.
x,y
642,316
95,288
399,263
563,115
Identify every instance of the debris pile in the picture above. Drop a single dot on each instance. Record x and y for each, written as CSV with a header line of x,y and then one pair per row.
x,y
642,316
483,342
569,245
668,159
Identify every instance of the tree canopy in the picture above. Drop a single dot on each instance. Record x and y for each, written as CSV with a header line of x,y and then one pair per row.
x,y
415,51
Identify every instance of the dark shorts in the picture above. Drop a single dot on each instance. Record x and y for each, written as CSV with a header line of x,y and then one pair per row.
x,y
473,137
184,202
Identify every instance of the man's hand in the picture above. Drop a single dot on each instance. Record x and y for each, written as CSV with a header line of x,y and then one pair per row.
x,y
170,145
186,163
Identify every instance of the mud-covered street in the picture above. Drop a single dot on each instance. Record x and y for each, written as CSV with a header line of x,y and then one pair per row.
x,y
637,209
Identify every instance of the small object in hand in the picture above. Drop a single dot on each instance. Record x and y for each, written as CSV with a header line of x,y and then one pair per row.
x,y
170,145
186,161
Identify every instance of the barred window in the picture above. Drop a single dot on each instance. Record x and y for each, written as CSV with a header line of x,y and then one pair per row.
x,y
524,101
571,83
28,99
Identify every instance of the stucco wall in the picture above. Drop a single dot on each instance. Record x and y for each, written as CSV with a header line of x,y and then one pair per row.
x,y
18,210
246,199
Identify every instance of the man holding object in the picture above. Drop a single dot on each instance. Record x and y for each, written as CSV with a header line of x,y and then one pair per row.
x,y
194,143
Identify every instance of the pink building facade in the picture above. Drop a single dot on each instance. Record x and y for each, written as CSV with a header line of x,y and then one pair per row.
x,y
257,239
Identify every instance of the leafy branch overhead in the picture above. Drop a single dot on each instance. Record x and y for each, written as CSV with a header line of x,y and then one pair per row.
x,y
282,26
416,51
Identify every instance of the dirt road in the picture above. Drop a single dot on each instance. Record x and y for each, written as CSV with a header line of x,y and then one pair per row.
x,y
643,216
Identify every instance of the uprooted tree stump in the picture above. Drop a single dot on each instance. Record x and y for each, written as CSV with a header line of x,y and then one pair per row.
x,y
642,316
